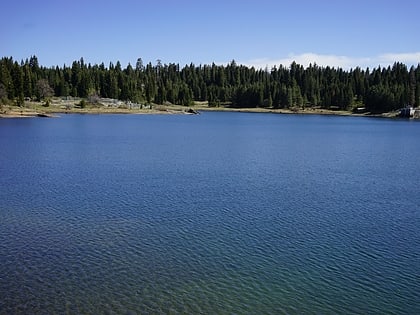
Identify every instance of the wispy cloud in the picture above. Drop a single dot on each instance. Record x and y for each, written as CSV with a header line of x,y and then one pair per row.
x,y
337,61
408,58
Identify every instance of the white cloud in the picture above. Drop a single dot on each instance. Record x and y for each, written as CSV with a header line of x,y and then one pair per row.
x,y
336,61
407,58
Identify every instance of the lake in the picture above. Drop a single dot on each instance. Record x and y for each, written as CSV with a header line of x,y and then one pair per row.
x,y
218,213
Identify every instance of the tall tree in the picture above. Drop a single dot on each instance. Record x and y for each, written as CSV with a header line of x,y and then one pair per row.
x,y
379,89
43,89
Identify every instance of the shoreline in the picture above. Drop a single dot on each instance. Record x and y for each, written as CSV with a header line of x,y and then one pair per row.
x,y
51,112
54,111
325,112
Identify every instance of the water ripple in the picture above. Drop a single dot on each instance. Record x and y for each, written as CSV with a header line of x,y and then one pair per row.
x,y
207,218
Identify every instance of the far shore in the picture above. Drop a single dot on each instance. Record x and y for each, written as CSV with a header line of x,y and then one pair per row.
x,y
306,111
36,109
55,111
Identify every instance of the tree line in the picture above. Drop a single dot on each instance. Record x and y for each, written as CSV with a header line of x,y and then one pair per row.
x,y
378,90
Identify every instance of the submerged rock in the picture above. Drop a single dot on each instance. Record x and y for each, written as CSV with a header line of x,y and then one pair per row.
x,y
192,111
44,115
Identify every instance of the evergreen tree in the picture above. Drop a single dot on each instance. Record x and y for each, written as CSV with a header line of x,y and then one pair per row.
x,y
379,89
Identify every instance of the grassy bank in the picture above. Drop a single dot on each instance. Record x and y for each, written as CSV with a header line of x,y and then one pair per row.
x,y
57,106
306,111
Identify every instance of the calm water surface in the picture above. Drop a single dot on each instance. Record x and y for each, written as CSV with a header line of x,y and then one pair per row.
x,y
221,213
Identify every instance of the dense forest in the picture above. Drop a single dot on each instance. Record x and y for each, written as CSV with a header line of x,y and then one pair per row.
x,y
377,90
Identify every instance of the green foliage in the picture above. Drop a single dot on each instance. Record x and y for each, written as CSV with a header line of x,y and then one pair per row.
x,y
377,90
82,103
19,101
3,93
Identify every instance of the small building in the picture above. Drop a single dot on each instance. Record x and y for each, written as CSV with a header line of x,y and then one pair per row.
x,y
407,112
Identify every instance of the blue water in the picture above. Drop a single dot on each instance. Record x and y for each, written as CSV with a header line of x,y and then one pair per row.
x,y
220,213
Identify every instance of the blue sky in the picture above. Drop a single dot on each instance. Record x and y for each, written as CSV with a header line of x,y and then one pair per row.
x,y
255,33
